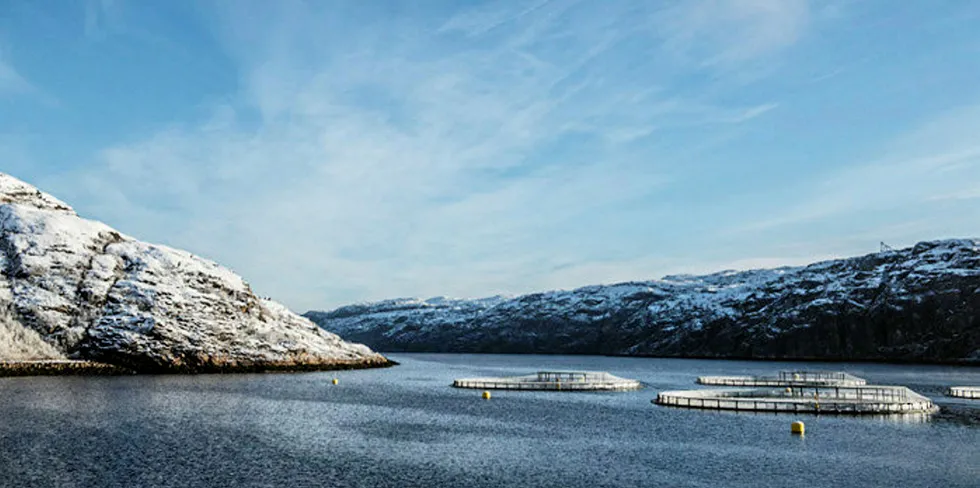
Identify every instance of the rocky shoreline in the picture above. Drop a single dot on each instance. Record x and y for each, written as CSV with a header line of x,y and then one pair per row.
x,y
61,367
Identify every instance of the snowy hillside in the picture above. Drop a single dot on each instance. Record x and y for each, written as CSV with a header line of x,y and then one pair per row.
x,y
72,287
915,304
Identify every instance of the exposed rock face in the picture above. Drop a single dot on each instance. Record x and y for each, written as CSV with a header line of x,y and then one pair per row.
x,y
88,292
916,304
18,343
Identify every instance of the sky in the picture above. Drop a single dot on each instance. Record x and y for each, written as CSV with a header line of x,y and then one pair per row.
x,y
346,151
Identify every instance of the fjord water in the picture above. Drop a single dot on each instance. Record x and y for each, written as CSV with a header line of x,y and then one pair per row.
x,y
405,426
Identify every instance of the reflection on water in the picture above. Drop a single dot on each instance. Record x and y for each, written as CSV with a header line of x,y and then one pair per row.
x,y
405,426
897,418
906,418
967,415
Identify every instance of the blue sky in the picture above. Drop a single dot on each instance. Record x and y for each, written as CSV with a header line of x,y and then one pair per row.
x,y
334,152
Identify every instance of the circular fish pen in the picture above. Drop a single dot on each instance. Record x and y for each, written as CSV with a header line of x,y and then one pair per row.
x,y
972,392
553,380
808,399
787,378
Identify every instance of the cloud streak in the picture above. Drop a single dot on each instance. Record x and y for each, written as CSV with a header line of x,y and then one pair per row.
x,y
13,85
938,161
11,82
728,34
470,153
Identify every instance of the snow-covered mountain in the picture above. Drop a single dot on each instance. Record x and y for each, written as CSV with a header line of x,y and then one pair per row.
x,y
76,288
915,304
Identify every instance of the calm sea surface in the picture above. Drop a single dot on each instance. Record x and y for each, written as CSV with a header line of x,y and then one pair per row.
x,y
405,426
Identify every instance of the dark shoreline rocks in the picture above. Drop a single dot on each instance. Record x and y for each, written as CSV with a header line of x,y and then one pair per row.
x,y
60,368
91,368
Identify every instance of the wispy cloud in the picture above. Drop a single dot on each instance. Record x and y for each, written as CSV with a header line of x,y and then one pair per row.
x,y
968,194
468,154
752,112
728,33
14,85
938,161
11,82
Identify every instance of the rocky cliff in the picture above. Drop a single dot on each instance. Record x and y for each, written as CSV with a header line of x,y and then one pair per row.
x,y
915,304
75,288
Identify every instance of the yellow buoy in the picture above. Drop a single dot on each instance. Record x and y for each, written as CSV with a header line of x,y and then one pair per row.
x,y
798,428
335,381
486,395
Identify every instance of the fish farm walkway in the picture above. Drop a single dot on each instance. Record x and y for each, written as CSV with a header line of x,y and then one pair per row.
x,y
815,399
964,392
786,378
553,380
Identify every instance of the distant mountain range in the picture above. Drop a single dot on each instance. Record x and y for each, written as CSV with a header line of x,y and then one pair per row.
x,y
76,288
917,304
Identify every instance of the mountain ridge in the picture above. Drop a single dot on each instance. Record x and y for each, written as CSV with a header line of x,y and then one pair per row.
x,y
915,304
